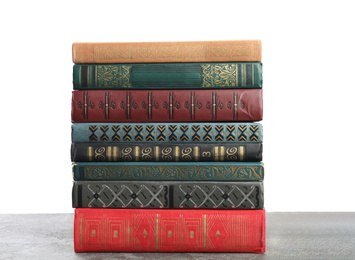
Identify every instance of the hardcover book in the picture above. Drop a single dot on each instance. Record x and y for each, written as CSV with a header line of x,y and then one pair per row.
x,y
169,230
165,195
160,52
169,171
167,106
167,132
166,152
167,76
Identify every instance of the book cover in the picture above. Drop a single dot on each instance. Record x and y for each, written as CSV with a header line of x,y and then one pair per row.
x,y
169,171
169,230
160,52
167,76
166,152
167,106
167,132
168,195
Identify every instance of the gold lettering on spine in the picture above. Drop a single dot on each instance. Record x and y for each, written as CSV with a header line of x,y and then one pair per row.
x,y
115,153
90,152
157,153
109,153
213,105
222,152
216,153
196,153
136,153
177,153
241,153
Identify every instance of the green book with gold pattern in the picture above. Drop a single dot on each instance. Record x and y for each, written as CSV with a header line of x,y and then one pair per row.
x,y
168,76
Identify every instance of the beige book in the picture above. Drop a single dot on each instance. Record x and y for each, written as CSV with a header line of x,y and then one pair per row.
x,y
156,52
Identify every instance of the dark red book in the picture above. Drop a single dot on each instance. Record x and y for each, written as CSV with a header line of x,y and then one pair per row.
x,y
145,230
203,105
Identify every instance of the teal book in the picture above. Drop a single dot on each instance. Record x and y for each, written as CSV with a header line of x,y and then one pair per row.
x,y
168,76
169,171
167,132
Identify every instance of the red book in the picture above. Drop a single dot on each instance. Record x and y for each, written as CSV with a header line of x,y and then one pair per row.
x,y
144,230
137,106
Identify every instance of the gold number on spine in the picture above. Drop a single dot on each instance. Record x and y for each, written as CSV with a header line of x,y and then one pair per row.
x,y
185,154
166,154
231,154
146,154
99,153
126,154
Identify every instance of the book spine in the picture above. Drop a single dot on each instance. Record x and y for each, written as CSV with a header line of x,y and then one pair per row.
x,y
153,171
162,152
167,76
167,106
167,133
160,52
169,230
168,195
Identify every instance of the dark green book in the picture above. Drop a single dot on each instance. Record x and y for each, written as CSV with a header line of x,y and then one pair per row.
x,y
168,76
169,171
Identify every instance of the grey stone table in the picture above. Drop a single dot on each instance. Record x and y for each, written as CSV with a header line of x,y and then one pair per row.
x,y
288,236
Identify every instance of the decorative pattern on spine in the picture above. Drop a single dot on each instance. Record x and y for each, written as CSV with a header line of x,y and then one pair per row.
x,y
189,195
153,171
138,106
164,132
166,230
159,52
163,152
167,76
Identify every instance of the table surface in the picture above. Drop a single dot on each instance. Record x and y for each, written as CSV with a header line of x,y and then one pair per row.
x,y
288,236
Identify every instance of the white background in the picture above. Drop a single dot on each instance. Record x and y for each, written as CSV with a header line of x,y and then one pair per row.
x,y
309,90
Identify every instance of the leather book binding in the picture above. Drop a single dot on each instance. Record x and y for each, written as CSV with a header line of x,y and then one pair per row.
x,y
139,106
166,152
160,52
168,195
169,171
167,76
169,230
167,132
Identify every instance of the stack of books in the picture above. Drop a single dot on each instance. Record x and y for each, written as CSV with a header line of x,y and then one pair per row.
x,y
166,150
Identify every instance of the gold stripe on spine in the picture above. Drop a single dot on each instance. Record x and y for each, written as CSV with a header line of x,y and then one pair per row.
x,y
157,153
235,105
95,68
241,153
136,153
196,154
222,152
170,106
115,153
177,153
157,231
204,231
149,105
109,153
213,105
90,152
216,157
106,105
252,74
236,74
80,75
81,230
